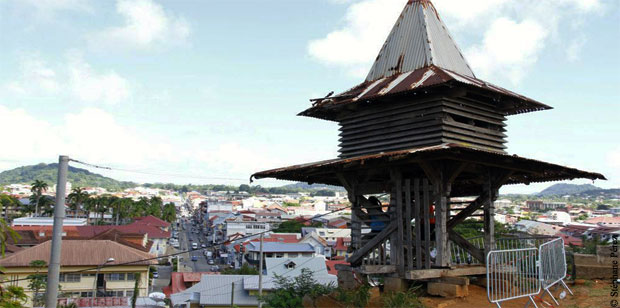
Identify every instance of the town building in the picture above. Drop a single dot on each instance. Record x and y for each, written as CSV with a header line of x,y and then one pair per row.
x,y
79,263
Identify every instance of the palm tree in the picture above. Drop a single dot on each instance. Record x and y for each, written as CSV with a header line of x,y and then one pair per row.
x,y
46,205
37,188
77,197
169,213
90,205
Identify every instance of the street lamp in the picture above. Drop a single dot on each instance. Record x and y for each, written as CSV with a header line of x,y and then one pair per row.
x,y
109,260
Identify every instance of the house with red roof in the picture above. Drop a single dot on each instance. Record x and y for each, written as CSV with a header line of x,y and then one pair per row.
x,y
180,281
153,221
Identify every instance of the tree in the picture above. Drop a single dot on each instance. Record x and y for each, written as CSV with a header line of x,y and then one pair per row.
x,y
37,188
136,290
6,232
289,292
12,297
155,205
289,226
46,205
38,282
77,198
244,270
169,212
9,203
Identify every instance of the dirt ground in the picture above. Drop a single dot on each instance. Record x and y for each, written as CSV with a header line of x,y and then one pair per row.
x,y
591,294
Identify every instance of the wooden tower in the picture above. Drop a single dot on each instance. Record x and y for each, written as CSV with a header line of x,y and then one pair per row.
x,y
425,130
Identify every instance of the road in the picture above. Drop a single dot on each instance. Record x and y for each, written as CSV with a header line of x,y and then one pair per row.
x,y
186,238
163,279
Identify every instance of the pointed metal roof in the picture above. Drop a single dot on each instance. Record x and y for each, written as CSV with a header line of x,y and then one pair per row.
x,y
418,39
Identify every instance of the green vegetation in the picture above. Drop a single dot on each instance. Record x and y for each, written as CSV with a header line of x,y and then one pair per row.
x,y
402,299
561,189
47,173
38,282
136,290
289,292
12,297
473,228
353,298
293,226
244,270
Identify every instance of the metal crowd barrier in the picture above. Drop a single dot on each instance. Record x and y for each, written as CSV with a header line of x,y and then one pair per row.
x,y
460,256
524,272
512,274
552,258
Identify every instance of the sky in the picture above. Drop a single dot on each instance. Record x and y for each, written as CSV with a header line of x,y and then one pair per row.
x,y
208,91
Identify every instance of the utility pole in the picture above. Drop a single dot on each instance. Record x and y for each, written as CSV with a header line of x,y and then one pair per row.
x,y
232,296
260,273
53,274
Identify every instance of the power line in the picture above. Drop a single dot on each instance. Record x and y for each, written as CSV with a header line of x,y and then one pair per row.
x,y
157,173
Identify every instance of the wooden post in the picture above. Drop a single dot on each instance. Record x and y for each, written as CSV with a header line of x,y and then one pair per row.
x,y
408,238
489,217
441,231
418,224
400,251
427,226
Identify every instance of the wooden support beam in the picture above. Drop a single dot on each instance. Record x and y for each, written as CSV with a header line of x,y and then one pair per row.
x,y
475,205
408,234
437,273
465,244
489,216
357,256
418,223
377,269
400,230
427,226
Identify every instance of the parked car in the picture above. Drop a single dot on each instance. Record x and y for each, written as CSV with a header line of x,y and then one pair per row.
x,y
215,268
210,262
155,275
203,245
194,258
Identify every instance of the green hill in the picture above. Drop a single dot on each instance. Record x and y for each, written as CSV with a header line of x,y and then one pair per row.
x,y
562,189
48,172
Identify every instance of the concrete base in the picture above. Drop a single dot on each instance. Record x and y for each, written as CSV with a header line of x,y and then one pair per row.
x,y
346,280
394,284
447,290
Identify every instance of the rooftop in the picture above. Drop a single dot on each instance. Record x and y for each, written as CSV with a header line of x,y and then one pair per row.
x,y
80,253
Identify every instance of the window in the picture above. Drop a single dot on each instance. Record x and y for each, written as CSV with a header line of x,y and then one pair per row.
x,y
290,265
70,277
279,255
113,293
129,293
115,276
86,294
131,276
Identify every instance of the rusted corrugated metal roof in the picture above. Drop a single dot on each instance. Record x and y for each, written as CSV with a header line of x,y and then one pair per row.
x,y
418,39
419,80
531,170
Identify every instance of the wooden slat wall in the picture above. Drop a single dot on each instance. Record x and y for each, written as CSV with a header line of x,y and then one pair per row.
x,y
410,124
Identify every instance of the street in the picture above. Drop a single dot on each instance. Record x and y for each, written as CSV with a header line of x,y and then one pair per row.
x,y
186,238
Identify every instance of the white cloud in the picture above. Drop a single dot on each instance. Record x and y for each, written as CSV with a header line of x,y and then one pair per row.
x,y
367,23
504,38
73,79
146,24
508,48
35,77
90,86
95,136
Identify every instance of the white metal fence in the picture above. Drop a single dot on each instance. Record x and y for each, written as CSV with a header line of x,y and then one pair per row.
x,y
524,272
552,258
512,274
